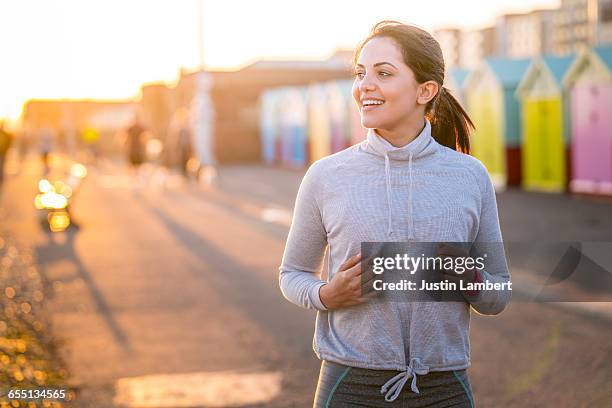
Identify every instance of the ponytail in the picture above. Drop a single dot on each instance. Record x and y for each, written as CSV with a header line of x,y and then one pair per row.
x,y
450,124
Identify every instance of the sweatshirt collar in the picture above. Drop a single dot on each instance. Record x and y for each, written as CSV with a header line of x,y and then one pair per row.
x,y
422,145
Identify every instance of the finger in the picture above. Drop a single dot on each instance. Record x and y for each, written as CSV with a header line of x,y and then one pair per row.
x,y
357,270
349,263
367,271
368,289
451,250
368,277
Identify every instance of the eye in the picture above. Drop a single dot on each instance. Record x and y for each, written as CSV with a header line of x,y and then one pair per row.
x,y
384,74
359,75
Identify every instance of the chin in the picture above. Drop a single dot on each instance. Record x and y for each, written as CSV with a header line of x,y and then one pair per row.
x,y
372,124
374,121
369,122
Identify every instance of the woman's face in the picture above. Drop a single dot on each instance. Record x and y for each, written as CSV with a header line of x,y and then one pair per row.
x,y
385,88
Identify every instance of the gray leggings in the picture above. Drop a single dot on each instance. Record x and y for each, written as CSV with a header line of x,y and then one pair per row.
x,y
341,386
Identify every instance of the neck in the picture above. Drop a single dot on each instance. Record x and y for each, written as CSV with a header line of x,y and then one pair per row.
x,y
402,136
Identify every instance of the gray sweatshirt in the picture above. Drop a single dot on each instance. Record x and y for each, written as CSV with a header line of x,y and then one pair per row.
x,y
375,192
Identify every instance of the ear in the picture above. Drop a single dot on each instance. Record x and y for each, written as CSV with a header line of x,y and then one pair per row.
x,y
427,91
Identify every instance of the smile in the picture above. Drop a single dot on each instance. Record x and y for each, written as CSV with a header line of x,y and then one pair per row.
x,y
369,104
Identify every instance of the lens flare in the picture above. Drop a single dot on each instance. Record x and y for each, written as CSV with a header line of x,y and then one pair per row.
x,y
44,186
58,221
55,201
78,170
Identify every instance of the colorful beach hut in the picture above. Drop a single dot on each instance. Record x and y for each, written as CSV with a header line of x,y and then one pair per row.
x,y
356,132
269,126
319,129
589,85
490,99
293,121
544,124
338,116
455,80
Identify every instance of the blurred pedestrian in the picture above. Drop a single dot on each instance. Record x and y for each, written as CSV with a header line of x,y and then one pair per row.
x,y
135,142
91,140
23,145
6,140
180,137
46,144
202,114
411,180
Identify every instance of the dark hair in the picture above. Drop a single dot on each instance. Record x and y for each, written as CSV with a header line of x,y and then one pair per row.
x,y
450,124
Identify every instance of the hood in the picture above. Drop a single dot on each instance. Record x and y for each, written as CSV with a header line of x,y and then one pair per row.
x,y
420,147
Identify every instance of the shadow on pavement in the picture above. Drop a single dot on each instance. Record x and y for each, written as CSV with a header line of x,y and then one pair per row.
x,y
56,251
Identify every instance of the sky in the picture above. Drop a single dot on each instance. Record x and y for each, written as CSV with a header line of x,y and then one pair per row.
x,y
106,49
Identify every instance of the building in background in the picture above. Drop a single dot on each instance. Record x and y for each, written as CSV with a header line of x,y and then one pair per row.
x,y
475,46
581,23
235,99
156,103
571,26
574,25
69,119
524,35
450,42
228,101
603,29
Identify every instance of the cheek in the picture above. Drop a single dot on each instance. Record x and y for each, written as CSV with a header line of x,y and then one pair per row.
x,y
401,97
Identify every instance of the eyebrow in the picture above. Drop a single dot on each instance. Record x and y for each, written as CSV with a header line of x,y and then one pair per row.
x,y
379,63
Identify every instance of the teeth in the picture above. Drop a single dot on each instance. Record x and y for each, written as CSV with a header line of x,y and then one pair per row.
x,y
372,102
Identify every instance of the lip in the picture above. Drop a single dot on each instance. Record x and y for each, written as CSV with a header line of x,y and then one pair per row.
x,y
368,108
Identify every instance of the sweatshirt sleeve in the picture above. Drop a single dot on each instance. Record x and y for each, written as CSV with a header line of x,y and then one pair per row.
x,y
489,241
305,247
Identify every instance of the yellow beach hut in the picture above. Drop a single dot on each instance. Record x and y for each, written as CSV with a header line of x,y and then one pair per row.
x,y
319,129
544,124
489,97
355,131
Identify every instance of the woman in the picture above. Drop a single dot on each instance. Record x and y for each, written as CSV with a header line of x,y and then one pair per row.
x,y
410,180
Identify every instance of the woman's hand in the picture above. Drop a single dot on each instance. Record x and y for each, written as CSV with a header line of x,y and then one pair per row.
x,y
345,288
468,275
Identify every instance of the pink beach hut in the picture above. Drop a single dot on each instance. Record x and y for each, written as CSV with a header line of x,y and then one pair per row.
x,y
285,133
589,83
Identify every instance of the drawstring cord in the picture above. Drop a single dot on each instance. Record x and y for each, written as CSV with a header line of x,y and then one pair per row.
x,y
388,181
389,208
394,386
410,213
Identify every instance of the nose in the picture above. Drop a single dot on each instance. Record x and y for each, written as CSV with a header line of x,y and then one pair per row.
x,y
366,84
